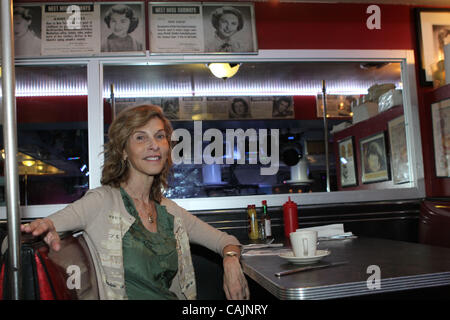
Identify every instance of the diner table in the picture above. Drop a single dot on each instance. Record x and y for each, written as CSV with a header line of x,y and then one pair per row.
x,y
402,266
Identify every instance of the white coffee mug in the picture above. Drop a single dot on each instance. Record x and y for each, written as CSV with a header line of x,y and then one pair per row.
x,y
304,243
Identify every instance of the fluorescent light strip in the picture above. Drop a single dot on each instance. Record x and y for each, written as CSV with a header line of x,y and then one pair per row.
x,y
144,94
199,93
50,93
179,91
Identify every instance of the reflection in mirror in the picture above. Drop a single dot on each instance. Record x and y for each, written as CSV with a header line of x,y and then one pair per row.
x,y
269,118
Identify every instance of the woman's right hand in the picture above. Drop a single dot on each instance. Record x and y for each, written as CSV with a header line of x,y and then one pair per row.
x,y
43,226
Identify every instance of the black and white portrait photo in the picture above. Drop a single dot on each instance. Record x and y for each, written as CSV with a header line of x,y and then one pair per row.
x,y
229,28
374,165
27,30
282,107
239,109
122,27
171,107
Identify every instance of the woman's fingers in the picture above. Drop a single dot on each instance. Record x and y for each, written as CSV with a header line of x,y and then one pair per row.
x,y
43,226
227,293
52,239
36,227
246,291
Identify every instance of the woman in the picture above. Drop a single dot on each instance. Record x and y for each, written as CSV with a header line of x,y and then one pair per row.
x,y
227,21
139,239
122,21
26,43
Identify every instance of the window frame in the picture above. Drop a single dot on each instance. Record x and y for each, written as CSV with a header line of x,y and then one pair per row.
x,y
95,67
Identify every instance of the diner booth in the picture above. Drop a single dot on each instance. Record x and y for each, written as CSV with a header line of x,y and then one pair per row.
x,y
344,92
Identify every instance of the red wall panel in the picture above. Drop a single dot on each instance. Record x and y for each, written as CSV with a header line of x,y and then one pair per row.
x,y
51,109
331,26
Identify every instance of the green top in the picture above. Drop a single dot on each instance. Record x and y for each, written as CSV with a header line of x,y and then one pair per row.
x,y
150,259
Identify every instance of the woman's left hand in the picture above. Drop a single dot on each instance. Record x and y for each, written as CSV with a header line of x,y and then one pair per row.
x,y
234,282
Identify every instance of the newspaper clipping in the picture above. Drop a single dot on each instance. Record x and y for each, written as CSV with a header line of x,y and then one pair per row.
x,y
217,108
198,28
70,29
176,28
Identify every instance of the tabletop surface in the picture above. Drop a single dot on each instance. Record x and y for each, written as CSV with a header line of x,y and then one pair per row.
x,y
402,266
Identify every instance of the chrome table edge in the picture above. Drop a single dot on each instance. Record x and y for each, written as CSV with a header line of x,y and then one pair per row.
x,y
350,289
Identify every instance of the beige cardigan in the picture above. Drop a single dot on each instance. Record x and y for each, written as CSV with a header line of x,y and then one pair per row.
x,y
102,215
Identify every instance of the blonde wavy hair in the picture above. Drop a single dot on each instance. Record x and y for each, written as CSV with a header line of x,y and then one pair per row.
x,y
115,169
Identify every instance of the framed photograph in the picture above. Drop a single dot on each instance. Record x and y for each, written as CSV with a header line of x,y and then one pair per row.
x,y
347,162
433,27
440,115
399,151
202,27
229,27
374,164
27,30
283,107
122,27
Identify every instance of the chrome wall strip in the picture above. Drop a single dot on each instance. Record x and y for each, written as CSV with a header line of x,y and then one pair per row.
x,y
10,142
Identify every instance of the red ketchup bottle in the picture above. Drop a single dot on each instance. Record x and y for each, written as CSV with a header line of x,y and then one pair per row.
x,y
290,215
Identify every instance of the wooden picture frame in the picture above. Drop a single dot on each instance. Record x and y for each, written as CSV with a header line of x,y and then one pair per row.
x,y
433,31
347,164
373,158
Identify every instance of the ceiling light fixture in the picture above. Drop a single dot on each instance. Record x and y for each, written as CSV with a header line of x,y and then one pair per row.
x,y
223,70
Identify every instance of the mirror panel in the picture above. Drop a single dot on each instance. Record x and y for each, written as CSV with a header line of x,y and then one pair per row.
x,y
247,105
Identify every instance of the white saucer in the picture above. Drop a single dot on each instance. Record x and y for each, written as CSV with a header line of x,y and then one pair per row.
x,y
289,256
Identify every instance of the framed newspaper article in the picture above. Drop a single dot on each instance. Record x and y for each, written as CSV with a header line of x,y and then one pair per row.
x,y
186,27
347,162
399,152
79,29
440,115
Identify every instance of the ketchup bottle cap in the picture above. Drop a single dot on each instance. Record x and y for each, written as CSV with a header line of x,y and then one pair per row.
x,y
289,202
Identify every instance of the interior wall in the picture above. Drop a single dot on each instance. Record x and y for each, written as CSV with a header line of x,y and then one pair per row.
x,y
339,26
